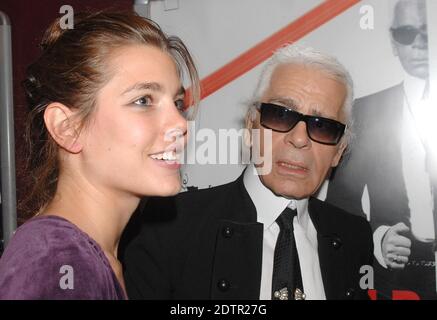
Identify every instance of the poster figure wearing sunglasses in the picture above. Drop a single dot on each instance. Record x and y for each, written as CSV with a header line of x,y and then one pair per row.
x,y
264,235
392,158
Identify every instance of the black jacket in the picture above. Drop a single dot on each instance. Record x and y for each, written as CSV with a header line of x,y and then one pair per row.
x,y
207,244
375,160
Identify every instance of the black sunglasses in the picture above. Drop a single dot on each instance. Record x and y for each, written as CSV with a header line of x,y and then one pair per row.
x,y
406,35
319,129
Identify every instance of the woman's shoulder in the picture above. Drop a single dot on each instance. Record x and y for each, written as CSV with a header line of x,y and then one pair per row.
x,y
43,228
46,236
50,258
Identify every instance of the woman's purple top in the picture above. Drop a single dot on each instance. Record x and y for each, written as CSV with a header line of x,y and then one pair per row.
x,y
50,258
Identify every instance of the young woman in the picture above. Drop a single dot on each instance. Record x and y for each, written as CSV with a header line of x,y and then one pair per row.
x,y
105,129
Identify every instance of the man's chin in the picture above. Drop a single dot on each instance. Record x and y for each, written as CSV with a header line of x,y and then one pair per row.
x,y
421,72
287,189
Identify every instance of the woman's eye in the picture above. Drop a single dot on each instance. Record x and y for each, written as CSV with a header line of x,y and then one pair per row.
x,y
143,101
180,104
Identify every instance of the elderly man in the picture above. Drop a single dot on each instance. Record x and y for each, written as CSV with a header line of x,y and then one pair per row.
x,y
264,236
391,157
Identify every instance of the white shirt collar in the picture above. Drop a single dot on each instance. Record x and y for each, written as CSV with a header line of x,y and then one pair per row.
x,y
268,205
414,88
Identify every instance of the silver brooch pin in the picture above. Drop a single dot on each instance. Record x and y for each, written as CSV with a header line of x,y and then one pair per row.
x,y
299,295
281,294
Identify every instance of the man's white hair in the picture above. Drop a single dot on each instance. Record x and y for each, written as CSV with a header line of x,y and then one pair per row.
x,y
307,56
393,6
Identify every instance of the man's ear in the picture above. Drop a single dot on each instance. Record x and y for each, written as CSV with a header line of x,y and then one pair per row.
x,y
394,46
339,153
61,124
249,120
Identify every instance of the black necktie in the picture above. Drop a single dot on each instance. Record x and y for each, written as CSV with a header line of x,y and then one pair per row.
x,y
287,280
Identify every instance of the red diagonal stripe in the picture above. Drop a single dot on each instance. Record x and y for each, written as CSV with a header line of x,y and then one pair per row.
x,y
263,50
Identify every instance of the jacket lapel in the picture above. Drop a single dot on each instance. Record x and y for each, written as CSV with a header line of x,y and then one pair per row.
x,y
238,253
331,251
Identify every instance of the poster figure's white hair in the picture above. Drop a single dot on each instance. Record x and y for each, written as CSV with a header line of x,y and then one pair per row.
x,y
392,7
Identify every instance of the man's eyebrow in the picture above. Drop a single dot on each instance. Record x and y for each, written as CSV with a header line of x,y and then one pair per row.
x,y
154,86
316,112
293,105
287,102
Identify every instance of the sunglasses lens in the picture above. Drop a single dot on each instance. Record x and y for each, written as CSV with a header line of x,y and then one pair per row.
x,y
406,35
325,130
277,118
322,130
